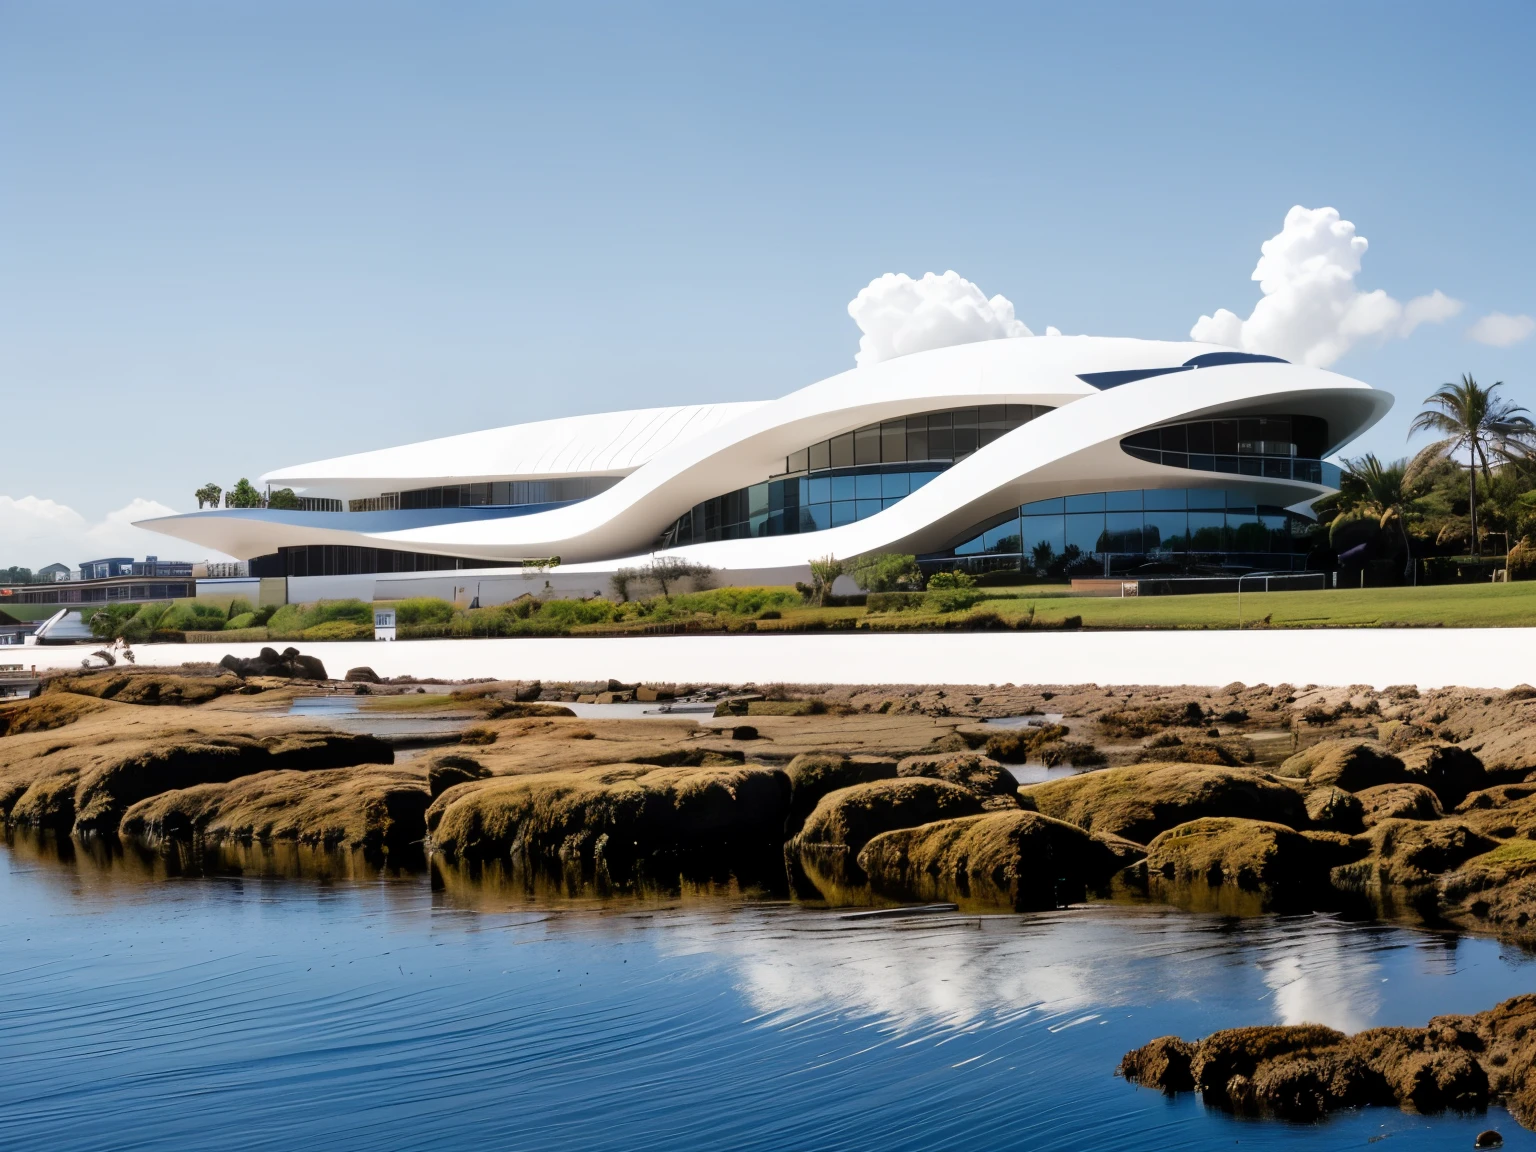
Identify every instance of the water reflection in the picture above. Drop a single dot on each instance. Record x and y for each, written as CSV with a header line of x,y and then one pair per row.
x,y
100,862
152,1000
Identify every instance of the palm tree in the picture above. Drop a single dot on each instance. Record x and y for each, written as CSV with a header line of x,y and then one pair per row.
x,y
824,573
1472,419
1369,485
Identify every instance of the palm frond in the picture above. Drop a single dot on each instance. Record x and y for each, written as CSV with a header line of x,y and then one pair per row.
x,y
1427,458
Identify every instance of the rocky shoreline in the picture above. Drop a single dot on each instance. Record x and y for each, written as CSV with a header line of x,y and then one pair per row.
x,y
1262,797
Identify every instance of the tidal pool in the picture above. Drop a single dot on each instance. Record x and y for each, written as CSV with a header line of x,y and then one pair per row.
x,y
141,1009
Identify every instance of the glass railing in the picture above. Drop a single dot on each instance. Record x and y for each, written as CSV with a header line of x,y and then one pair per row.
x,y
1299,468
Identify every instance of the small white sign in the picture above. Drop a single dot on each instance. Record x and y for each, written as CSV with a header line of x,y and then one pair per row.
x,y
383,623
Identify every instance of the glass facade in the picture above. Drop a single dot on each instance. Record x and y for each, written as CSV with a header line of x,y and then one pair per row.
x,y
1272,447
347,560
500,493
798,504
850,477
943,437
1165,529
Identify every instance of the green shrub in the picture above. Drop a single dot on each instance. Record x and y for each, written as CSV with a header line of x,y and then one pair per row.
x,y
244,620
226,636
956,579
948,599
1522,560
725,602
569,612
239,606
291,621
189,616
339,630
886,572
421,610
894,601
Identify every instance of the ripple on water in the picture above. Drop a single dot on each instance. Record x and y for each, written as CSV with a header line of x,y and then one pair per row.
x,y
142,1009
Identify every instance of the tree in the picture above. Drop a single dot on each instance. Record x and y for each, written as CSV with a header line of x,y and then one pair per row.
x,y
620,582
824,573
1380,490
1472,419
244,495
886,572
669,570
1040,556
208,494
284,498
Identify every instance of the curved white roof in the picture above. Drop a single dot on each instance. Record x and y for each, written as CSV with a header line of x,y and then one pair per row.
x,y
673,458
600,444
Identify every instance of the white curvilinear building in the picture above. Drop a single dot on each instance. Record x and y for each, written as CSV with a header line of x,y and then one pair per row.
x,y
1056,455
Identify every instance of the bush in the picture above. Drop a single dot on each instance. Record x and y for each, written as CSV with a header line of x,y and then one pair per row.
x,y
244,620
886,572
239,606
189,616
1522,560
955,579
339,630
894,601
951,599
292,621
422,610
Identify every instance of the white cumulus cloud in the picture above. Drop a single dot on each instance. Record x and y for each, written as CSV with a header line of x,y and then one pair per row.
x,y
35,532
1500,330
1312,311
899,315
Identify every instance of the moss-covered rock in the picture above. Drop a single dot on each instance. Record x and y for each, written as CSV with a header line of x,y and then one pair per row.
x,y
980,774
88,789
45,713
448,771
369,807
1496,889
1347,764
1412,853
147,686
814,774
850,817
1252,854
1335,810
1398,802
1448,770
1302,1072
1503,812
610,816
1141,800
1018,860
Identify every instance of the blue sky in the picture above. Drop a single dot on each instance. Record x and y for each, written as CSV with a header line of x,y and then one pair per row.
x,y
237,236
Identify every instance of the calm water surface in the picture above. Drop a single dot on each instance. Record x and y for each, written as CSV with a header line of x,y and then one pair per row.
x,y
143,1011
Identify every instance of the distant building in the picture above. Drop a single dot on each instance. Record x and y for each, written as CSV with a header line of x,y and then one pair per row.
x,y
154,566
54,572
106,569
151,566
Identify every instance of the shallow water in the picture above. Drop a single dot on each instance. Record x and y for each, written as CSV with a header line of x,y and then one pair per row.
x,y
140,1010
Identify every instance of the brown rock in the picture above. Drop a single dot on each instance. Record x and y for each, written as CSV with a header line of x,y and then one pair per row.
x,y
1347,764
1018,860
1141,800
1398,801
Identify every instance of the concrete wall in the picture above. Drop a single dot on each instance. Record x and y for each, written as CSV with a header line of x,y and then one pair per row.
x,y
221,592
1492,658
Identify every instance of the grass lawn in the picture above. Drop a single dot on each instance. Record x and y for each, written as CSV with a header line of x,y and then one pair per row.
x,y
1442,605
